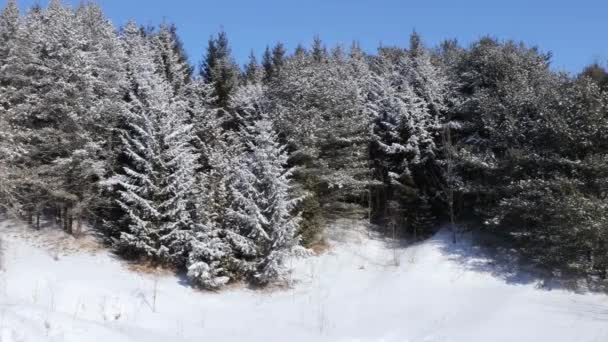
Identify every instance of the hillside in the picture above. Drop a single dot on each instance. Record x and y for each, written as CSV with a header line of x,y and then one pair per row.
x,y
55,288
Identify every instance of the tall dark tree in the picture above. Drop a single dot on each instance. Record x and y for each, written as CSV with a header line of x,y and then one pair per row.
x,y
597,73
278,57
267,64
318,51
252,70
300,51
218,68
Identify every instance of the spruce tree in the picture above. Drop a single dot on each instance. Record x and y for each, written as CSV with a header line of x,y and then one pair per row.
x,y
219,253
9,26
278,57
171,58
218,68
155,187
318,51
402,131
267,64
263,207
62,81
253,73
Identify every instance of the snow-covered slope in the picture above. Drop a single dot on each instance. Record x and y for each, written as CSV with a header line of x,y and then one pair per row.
x,y
53,288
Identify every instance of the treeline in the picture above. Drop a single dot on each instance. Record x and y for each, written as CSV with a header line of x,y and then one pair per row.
x,y
227,171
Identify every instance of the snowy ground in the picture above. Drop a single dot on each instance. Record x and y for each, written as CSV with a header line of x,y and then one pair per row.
x,y
53,288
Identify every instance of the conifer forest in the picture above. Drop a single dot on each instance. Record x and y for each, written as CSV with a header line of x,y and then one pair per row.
x,y
224,172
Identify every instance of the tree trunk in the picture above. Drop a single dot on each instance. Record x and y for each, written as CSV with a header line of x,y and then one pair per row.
x,y
448,146
452,219
70,220
64,215
30,216
79,224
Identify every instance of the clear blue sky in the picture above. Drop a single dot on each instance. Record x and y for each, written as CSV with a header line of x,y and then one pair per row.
x,y
576,31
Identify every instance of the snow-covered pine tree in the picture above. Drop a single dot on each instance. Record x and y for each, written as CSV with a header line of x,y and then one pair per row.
x,y
247,102
212,263
435,178
9,26
33,103
103,86
428,79
318,50
62,82
253,72
156,186
219,253
403,131
317,108
246,212
171,58
10,152
278,58
345,128
263,207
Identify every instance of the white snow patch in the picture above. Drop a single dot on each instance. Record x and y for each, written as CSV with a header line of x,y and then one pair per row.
x,y
360,291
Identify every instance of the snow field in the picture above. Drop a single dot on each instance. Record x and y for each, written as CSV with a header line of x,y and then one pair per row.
x,y
360,290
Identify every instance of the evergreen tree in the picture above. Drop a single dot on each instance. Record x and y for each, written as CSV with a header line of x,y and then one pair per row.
x,y
61,83
247,102
300,51
219,253
253,72
9,26
278,57
156,187
402,132
332,129
263,207
318,51
171,58
598,73
219,69
267,64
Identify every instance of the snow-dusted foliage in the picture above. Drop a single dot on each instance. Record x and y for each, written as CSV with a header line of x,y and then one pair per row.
x,y
247,102
248,217
263,208
317,107
406,100
171,59
218,253
225,174
60,82
156,184
9,27
9,151
403,127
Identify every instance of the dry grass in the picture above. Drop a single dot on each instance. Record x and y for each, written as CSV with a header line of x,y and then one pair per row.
x,y
320,247
150,268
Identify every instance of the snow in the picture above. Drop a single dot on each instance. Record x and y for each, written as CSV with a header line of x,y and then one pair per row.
x,y
55,288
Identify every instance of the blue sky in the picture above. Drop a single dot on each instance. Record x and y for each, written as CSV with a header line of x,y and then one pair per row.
x,y
576,31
